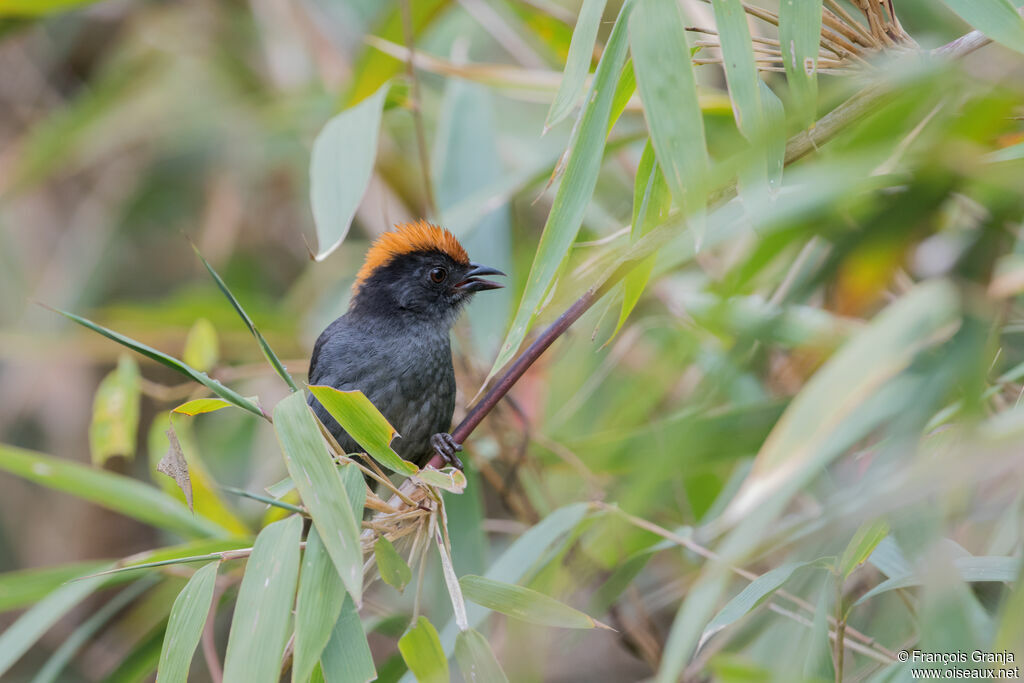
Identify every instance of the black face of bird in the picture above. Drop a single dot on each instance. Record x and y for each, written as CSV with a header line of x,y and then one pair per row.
x,y
424,283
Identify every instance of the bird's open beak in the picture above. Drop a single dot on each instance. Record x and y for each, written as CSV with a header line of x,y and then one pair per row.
x,y
472,281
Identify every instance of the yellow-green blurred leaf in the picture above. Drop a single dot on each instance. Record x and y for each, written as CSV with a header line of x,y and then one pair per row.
x,y
394,570
421,650
523,603
115,413
201,346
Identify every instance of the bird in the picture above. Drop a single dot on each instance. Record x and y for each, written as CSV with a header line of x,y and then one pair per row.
x,y
393,343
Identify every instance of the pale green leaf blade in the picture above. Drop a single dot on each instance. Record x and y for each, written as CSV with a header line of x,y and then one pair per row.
x,y
26,586
863,543
160,357
364,423
321,595
476,659
740,68
34,8
972,569
394,570
997,19
668,89
523,603
112,491
347,657
260,625
201,347
421,650
199,406
322,489
340,169
31,625
586,150
268,352
577,65
115,412
185,626
450,479
799,35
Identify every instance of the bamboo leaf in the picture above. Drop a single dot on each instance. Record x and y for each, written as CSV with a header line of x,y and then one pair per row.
x,y
321,595
421,650
112,491
26,586
577,65
322,489
972,569
997,19
33,8
523,603
347,657
476,659
201,350
394,570
185,626
115,413
31,625
799,35
449,478
201,405
364,423
340,168
740,68
668,89
863,543
259,627
586,150
170,362
268,352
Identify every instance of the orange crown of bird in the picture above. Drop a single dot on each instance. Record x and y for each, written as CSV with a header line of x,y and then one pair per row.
x,y
407,238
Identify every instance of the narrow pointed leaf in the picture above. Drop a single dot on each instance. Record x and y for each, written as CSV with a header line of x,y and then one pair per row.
x,y
364,423
201,405
863,543
340,169
170,362
347,657
523,603
421,650
586,151
185,626
740,68
26,586
115,413
972,569
268,352
322,489
260,625
112,491
799,35
577,65
668,89
476,659
394,570
321,595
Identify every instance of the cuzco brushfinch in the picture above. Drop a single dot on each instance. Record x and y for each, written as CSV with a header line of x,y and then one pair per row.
x,y
393,343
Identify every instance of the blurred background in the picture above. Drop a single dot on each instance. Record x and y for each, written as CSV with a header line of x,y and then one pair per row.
x,y
128,127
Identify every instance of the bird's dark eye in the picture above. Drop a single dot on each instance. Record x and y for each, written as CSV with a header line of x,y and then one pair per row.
x,y
438,275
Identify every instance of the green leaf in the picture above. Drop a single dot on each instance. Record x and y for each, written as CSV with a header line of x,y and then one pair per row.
x,y
476,659
115,413
450,479
668,90
112,491
340,169
577,65
522,603
800,34
347,657
188,616
57,662
421,650
170,362
321,595
394,570
586,151
651,203
972,569
201,347
199,551
26,586
863,543
364,423
268,352
740,68
31,625
997,19
201,405
322,488
259,627
756,592
33,8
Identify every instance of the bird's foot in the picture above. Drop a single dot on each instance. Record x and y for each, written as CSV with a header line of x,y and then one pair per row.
x,y
446,447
